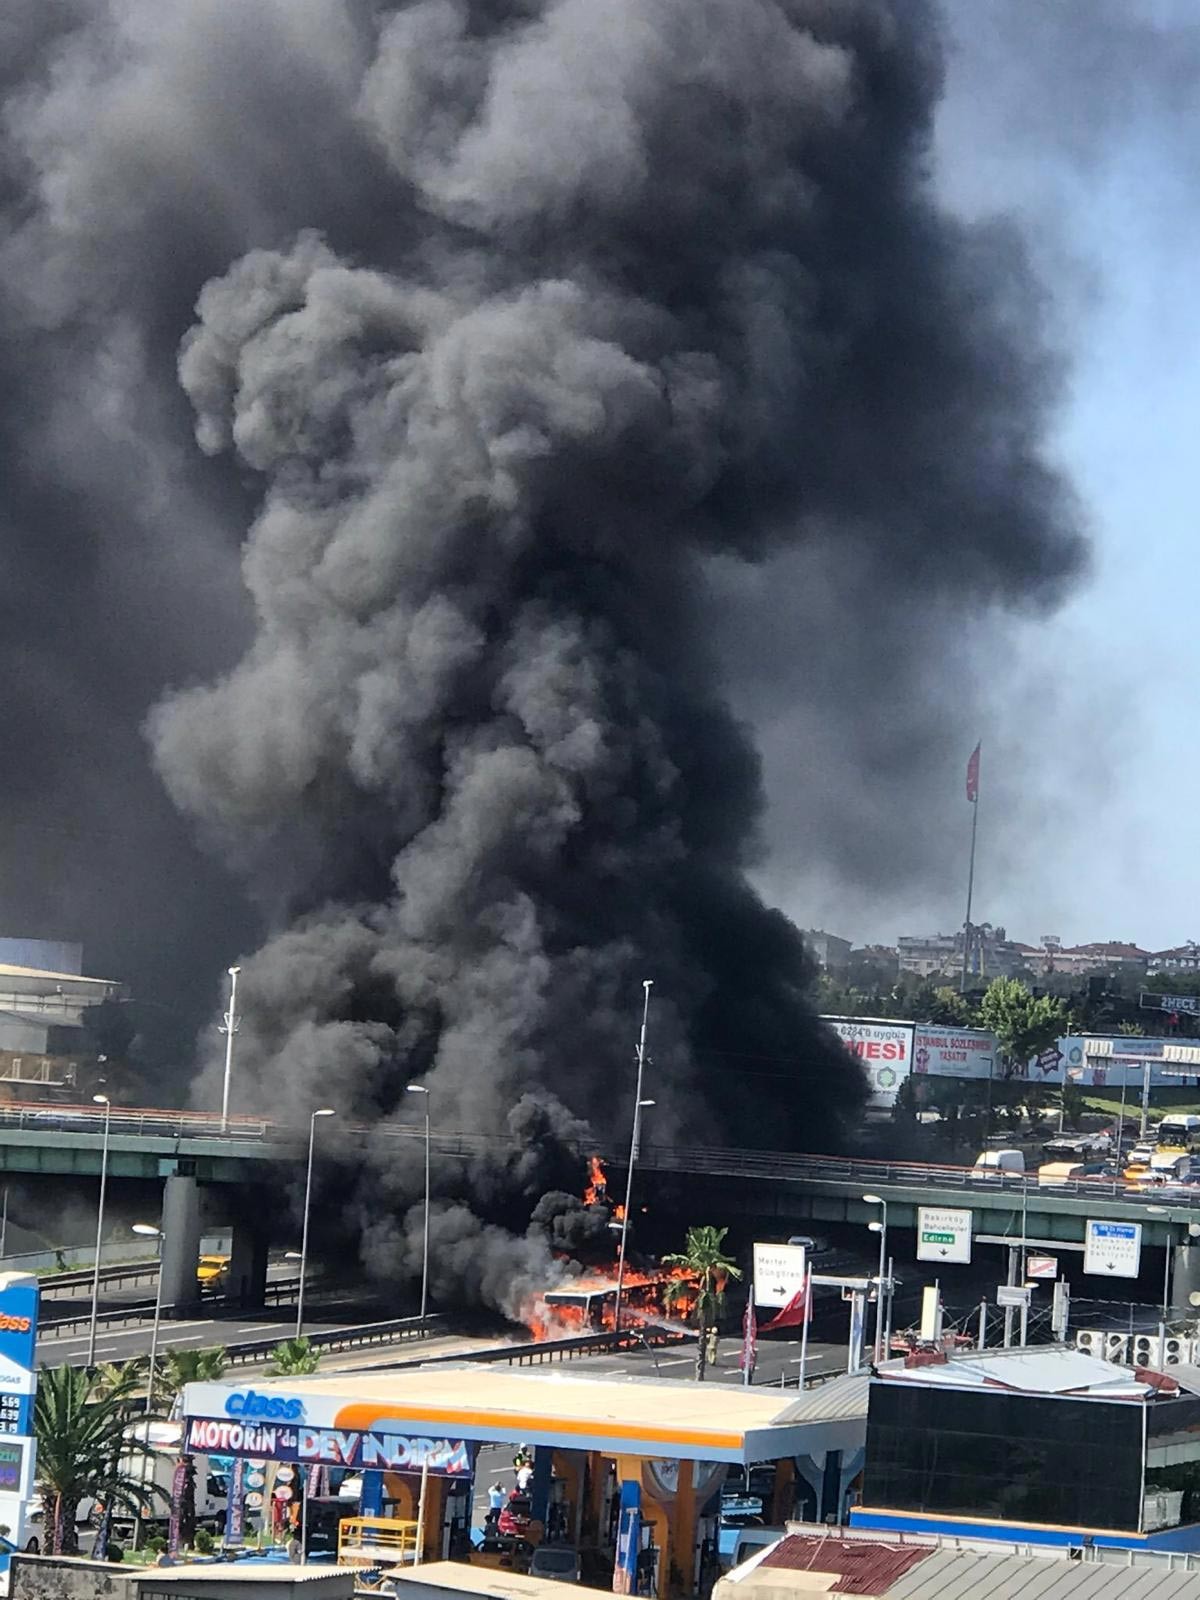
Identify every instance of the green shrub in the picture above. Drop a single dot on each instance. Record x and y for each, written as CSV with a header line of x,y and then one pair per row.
x,y
205,1542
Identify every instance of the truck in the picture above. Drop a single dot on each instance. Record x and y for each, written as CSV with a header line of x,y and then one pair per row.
x,y
156,1469
1000,1164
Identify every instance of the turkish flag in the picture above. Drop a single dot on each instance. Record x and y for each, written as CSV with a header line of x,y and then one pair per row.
x,y
973,773
798,1309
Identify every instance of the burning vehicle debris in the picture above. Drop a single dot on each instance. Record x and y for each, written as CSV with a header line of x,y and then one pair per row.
x,y
586,1302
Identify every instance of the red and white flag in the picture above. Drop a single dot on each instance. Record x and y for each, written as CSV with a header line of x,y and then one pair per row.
x,y
973,773
798,1309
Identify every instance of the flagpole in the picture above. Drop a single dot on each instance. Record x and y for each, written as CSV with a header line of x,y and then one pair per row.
x,y
804,1331
748,1338
974,798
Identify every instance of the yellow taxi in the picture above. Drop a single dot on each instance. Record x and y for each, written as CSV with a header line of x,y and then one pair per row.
x,y
212,1271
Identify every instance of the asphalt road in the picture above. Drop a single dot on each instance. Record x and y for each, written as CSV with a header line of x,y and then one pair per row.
x,y
193,1333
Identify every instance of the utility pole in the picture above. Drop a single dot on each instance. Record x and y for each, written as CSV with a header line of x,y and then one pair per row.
x,y
973,797
230,1028
633,1151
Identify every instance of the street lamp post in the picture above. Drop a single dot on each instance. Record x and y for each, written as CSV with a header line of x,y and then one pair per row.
x,y
638,1105
419,1088
229,1029
325,1111
1163,1211
881,1226
100,1100
147,1230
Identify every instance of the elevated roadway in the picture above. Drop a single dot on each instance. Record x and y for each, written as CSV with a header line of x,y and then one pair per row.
x,y
157,1144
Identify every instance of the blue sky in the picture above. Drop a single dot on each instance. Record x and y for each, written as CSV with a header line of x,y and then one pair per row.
x,y
1079,118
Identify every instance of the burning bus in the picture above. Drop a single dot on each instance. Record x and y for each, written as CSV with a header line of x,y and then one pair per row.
x,y
587,1303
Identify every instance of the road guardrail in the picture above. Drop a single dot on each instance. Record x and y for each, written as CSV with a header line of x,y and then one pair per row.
x,y
143,1310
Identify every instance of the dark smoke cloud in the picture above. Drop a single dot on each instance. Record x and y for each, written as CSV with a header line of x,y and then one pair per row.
x,y
522,334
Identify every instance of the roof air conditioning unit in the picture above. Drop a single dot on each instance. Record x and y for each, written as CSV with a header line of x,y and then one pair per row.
x,y
1147,1350
1116,1347
1177,1350
1090,1341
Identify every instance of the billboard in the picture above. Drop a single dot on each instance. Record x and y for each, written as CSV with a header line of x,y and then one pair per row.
x,y
372,1449
884,1048
942,1052
1095,1061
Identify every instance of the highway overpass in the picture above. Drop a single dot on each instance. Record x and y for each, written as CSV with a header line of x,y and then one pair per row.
x,y
185,1150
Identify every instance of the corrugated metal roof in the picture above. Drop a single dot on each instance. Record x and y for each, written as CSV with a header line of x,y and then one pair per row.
x,y
957,1568
862,1567
42,1019
966,1574
1029,1370
1185,1375
839,1400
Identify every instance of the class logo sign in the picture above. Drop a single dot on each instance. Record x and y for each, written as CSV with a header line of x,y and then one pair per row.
x,y
251,1407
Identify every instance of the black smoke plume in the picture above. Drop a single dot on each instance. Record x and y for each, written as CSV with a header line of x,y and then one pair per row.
x,y
521,329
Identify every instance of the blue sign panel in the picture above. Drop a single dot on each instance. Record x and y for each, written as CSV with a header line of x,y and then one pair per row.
x,y
18,1341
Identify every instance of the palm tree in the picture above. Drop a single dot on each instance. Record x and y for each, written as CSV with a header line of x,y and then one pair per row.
x,y
706,1269
182,1367
294,1358
192,1366
83,1449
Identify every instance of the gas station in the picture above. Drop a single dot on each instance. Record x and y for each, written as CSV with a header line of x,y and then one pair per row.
x,y
628,1469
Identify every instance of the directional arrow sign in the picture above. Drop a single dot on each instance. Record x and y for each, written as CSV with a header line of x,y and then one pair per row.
x,y
778,1273
1113,1249
943,1235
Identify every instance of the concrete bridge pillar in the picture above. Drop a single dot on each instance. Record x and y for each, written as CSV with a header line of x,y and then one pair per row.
x,y
1185,1274
180,1244
247,1281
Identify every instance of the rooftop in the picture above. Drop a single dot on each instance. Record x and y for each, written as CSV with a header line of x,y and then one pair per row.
x,y
8,971
1032,1370
916,1567
458,1577
650,1417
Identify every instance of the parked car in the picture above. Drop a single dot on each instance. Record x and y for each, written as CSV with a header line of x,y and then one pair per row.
x,y
559,1561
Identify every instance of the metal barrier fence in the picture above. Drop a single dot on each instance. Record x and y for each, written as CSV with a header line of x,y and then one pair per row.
x,y
397,1330
775,1166
142,1310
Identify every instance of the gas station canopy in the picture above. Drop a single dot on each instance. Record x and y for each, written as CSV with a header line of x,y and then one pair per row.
x,y
300,1419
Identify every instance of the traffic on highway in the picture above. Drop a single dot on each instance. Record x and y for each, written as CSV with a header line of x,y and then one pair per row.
x,y
1165,1165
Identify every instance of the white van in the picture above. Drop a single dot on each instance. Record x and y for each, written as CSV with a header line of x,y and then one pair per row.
x,y
157,1470
1000,1163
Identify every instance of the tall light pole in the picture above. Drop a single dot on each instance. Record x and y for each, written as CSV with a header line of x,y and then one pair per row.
x,y
325,1111
638,1104
147,1230
100,1100
1163,1211
878,1200
229,1029
419,1088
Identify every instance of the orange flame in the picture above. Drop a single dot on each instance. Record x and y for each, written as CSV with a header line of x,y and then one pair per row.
x,y
596,1192
588,1304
